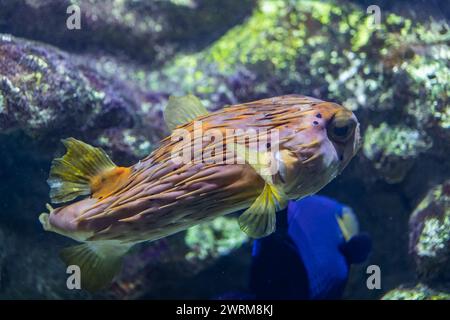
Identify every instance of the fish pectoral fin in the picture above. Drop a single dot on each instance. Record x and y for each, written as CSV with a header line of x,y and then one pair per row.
x,y
181,110
98,263
83,170
260,219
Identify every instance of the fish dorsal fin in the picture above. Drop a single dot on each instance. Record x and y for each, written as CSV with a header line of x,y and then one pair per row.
x,y
181,110
83,170
348,223
260,219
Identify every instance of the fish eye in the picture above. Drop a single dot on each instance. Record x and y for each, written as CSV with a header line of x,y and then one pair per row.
x,y
341,131
341,128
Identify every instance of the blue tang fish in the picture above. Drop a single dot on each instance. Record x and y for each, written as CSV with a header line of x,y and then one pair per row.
x,y
309,256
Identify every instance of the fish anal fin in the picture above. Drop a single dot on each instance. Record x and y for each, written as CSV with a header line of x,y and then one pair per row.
x,y
181,110
98,264
260,219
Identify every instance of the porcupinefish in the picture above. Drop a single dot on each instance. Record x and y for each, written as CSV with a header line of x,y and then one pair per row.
x,y
274,150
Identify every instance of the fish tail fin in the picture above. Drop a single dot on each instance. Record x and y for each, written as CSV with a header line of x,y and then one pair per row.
x,y
98,263
83,170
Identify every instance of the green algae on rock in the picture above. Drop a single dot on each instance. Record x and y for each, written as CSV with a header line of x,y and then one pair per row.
x,y
393,150
419,292
50,94
429,241
395,77
289,44
215,238
148,31
397,72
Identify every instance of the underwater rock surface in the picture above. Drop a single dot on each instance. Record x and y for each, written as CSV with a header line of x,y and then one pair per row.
x,y
394,76
429,245
419,292
49,94
107,83
148,31
164,268
429,241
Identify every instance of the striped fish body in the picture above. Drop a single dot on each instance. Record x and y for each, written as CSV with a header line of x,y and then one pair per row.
x,y
202,171
161,197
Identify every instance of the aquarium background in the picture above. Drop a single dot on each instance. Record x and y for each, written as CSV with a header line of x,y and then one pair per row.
x,y
107,83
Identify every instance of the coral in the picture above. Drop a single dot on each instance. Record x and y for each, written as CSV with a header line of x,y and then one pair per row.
x,y
430,235
212,239
419,292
